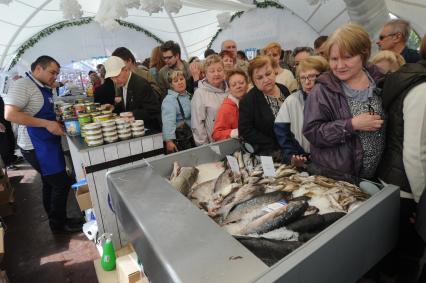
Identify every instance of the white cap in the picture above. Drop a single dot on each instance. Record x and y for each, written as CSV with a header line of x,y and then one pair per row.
x,y
113,66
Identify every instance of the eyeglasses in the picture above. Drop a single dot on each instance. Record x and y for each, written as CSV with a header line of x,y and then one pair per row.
x,y
311,78
381,37
166,58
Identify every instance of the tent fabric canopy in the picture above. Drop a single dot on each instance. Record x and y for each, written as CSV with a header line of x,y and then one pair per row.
x,y
196,22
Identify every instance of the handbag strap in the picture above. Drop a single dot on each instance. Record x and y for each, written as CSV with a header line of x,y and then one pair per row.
x,y
181,109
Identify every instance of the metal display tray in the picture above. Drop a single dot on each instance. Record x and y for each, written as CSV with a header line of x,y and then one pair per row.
x,y
176,242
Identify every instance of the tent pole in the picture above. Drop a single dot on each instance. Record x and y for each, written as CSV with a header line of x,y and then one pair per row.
x,y
182,44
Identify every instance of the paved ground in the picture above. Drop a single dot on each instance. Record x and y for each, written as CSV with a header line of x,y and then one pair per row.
x,y
33,254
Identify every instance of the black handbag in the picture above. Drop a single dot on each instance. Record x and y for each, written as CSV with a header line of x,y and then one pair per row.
x,y
184,138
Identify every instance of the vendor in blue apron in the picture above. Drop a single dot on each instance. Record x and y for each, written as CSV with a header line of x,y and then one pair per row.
x,y
33,107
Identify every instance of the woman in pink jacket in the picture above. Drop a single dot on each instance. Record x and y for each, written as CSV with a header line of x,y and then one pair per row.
x,y
226,123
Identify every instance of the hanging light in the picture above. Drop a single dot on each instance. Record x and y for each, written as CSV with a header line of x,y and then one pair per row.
x,y
108,11
152,6
315,2
71,9
173,6
224,19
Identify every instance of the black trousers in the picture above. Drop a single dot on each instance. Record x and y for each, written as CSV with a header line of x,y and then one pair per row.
x,y
55,191
403,263
7,145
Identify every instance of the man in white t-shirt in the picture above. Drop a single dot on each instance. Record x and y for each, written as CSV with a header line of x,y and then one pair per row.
x,y
29,103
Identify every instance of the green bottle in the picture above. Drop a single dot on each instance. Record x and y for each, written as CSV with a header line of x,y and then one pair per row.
x,y
108,254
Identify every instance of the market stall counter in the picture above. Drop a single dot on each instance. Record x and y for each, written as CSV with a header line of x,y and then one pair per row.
x,y
93,162
177,241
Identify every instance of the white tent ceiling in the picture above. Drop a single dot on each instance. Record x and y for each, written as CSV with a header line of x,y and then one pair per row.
x,y
194,25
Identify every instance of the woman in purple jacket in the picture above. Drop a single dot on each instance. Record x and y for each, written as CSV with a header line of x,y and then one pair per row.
x,y
343,116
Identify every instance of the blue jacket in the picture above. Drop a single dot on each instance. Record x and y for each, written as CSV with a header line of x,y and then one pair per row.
x,y
170,113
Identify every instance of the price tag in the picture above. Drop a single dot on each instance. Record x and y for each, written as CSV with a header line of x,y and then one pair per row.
x,y
233,162
274,206
268,166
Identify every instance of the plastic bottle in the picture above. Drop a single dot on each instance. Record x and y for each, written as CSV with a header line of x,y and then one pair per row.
x,y
108,254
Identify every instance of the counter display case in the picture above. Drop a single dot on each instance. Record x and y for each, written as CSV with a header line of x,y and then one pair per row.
x,y
177,242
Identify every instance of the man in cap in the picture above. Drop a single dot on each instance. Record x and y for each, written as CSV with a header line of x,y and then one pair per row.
x,y
136,94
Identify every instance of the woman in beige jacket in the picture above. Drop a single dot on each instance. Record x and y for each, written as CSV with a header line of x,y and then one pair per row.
x,y
207,99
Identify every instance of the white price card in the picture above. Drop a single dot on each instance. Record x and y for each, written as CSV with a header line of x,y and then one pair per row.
x,y
233,162
274,206
268,166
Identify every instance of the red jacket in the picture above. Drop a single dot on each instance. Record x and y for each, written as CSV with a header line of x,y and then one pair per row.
x,y
226,120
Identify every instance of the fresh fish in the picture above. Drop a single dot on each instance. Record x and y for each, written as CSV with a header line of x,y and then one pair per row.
x,y
209,171
238,155
255,203
307,223
201,194
246,192
285,173
325,182
256,173
307,236
224,179
269,251
219,196
273,188
281,234
311,210
184,178
276,218
330,218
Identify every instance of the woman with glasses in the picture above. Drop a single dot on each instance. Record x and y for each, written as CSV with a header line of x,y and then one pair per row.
x,y
344,117
289,122
260,106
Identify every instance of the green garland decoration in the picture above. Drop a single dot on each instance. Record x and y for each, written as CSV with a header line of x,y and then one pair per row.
x,y
263,5
65,24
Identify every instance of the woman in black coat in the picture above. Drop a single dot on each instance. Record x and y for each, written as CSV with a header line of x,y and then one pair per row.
x,y
260,106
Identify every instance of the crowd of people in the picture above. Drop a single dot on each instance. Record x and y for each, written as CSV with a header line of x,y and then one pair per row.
x,y
331,105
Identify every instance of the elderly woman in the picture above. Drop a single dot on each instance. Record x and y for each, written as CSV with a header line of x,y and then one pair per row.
x,y
289,122
284,77
208,97
226,124
175,111
388,61
260,106
343,118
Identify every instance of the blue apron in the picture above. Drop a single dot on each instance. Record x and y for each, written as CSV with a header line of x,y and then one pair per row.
x,y
47,146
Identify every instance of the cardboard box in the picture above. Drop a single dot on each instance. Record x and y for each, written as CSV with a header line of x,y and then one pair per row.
x,y
105,276
110,276
128,269
83,198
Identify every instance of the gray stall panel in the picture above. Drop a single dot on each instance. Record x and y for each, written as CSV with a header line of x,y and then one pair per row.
x,y
179,243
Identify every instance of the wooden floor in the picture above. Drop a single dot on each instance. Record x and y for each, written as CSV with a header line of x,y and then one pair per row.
x,y
32,253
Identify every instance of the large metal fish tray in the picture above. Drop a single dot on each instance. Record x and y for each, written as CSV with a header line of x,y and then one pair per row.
x,y
177,242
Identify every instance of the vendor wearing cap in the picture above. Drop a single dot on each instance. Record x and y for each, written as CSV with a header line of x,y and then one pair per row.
x,y
29,103
136,95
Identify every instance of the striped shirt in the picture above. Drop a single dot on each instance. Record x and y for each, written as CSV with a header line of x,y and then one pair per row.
x,y
25,95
